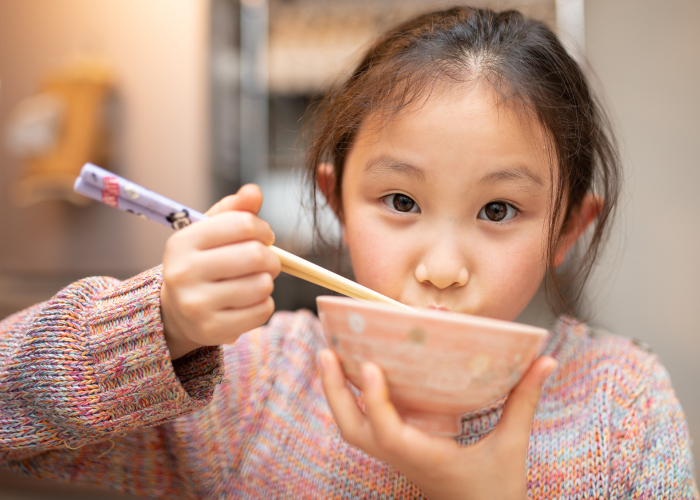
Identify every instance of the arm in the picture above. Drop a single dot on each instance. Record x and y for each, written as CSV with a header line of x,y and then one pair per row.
x,y
88,366
652,457
96,361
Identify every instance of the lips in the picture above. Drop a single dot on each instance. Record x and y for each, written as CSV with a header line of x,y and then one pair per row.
x,y
439,308
435,307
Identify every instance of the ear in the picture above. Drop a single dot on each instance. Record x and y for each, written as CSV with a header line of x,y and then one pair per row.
x,y
325,178
579,220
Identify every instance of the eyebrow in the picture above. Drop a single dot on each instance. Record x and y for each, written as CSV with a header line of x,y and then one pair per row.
x,y
517,174
387,164
392,165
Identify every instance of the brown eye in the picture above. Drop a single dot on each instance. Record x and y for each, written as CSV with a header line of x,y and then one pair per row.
x,y
497,211
401,203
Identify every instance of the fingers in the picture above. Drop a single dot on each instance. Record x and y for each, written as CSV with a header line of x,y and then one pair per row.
x,y
350,419
218,275
397,442
247,199
383,417
188,269
380,432
231,220
521,405
233,261
223,295
218,331
493,468
224,229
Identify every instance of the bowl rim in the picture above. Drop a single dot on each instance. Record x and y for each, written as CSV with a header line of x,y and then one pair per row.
x,y
448,316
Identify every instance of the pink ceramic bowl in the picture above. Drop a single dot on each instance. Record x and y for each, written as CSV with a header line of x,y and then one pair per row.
x,y
439,365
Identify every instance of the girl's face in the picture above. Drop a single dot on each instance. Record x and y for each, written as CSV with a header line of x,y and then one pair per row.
x,y
446,206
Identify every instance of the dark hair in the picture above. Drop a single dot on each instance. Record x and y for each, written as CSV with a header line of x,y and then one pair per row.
x,y
527,66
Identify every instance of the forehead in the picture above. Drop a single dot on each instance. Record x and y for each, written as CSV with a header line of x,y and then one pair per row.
x,y
467,131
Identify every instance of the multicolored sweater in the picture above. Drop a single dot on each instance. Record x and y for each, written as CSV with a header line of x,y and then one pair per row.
x,y
89,395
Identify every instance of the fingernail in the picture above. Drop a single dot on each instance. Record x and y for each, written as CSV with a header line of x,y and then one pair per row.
x,y
368,373
552,368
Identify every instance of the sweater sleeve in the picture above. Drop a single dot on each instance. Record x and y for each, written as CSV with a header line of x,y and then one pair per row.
x,y
91,367
653,453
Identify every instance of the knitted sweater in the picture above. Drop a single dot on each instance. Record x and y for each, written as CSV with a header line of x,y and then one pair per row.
x,y
89,395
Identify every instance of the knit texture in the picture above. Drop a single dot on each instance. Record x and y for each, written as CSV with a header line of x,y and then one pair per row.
x,y
89,395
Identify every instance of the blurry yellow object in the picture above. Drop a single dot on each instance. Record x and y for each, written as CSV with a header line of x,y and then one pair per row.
x,y
59,130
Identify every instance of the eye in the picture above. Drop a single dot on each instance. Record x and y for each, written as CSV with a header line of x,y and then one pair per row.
x,y
401,203
497,211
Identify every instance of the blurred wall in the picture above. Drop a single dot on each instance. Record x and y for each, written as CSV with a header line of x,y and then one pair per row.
x,y
158,49
646,54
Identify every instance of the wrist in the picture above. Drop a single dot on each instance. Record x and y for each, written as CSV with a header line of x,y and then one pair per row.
x,y
178,343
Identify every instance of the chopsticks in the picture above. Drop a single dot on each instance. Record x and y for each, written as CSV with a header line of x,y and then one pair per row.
x,y
296,266
110,189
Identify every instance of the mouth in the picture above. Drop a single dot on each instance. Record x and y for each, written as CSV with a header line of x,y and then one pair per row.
x,y
436,307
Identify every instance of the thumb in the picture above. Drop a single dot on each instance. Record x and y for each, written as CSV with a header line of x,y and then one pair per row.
x,y
521,405
247,199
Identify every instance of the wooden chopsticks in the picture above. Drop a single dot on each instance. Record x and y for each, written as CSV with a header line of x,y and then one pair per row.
x,y
296,266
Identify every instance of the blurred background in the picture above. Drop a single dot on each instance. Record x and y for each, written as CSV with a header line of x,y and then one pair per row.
x,y
192,98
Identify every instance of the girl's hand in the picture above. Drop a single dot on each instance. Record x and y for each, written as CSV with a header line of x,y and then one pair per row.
x,y
494,468
218,275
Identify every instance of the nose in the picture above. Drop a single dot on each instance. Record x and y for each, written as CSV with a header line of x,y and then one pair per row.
x,y
443,265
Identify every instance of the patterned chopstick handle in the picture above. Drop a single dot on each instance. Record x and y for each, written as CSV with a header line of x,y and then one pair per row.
x,y
110,189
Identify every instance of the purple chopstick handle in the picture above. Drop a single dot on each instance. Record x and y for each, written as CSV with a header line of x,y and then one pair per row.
x,y
114,185
110,189
123,204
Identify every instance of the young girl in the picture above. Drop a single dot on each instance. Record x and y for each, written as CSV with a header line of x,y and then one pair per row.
x,y
464,157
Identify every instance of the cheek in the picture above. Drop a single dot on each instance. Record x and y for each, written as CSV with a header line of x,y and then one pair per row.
x,y
513,278
376,261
